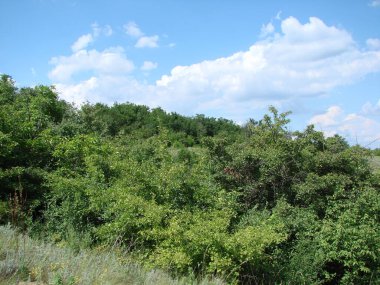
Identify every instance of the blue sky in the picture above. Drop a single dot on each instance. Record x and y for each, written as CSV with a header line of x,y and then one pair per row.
x,y
231,59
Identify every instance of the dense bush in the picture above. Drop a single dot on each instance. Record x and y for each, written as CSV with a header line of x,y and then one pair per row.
x,y
255,204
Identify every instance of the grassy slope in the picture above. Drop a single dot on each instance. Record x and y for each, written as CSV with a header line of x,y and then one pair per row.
x,y
22,259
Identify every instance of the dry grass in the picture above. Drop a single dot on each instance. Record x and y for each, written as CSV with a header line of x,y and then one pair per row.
x,y
23,259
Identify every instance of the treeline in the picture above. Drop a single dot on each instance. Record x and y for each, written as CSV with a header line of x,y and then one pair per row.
x,y
255,204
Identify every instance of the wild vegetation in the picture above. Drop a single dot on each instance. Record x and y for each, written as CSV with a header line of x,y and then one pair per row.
x,y
194,196
36,261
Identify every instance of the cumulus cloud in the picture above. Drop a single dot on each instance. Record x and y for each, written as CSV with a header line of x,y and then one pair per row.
x,y
300,60
304,60
133,30
328,118
78,93
119,88
108,61
147,42
354,127
149,65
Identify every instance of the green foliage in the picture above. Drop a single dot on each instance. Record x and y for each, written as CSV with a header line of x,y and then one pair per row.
x,y
24,259
376,152
155,184
193,241
343,247
350,237
128,118
67,206
27,141
256,204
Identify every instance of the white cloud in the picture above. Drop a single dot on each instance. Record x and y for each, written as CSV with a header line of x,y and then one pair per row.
x,y
304,60
149,65
108,61
371,109
328,118
119,88
147,42
82,42
79,93
373,44
298,61
133,30
266,30
375,3
278,15
354,127
98,30
143,41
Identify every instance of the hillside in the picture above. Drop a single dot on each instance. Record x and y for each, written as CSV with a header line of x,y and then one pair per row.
x,y
192,196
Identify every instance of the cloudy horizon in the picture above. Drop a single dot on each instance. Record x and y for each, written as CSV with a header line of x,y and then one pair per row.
x,y
312,65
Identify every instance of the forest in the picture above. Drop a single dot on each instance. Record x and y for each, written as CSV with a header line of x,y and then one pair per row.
x,y
193,196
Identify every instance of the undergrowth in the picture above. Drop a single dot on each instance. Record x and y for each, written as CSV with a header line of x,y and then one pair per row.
x,y
24,259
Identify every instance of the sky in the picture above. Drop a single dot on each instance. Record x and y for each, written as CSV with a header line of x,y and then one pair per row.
x,y
231,59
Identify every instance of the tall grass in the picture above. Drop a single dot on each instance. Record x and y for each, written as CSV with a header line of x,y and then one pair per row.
x,y
24,259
